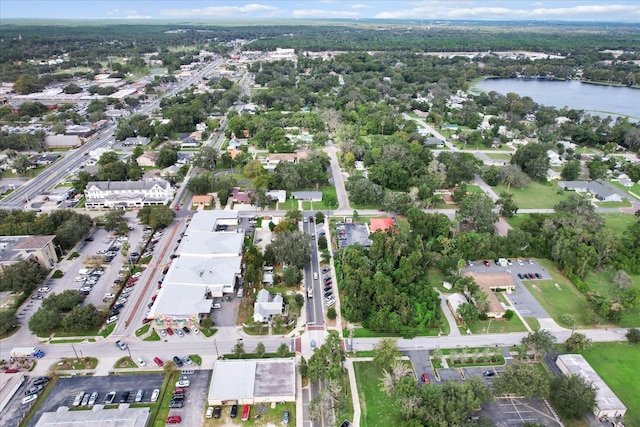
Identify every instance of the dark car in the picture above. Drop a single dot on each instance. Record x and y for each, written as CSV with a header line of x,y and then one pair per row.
x,y
33,390
486,263
186,330
41,381
538,275
217,411
178,396
176,404
328,288
89,239
114,312
178,361
234,411
124,397
489,373
520,276
285,417
325,269
328,294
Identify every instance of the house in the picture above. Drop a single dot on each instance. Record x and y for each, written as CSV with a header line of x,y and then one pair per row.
x,y
454,301
252,381
236,143
553,175
62,141
598,190
147,159
489,283
608,405
279,196
359,165
554,158
43,159
124,194
202,200
138,140
381,224
267,305
314,196
434,142
240,197
40,249
272,160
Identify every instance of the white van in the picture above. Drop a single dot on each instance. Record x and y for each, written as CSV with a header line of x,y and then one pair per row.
x,y
315,276
84,271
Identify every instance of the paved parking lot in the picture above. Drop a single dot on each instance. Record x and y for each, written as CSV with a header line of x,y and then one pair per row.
x,y
348,234
65,389
14,411
226,316
516,412
195,403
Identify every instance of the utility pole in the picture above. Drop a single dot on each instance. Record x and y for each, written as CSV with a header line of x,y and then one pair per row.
x,y
75,352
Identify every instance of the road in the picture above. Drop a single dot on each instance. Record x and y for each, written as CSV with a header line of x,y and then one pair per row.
x,y
315,309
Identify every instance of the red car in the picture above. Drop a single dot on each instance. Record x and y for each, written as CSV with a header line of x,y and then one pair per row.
x,y
425,378
486,264
158,361
245,412
178,390
170,331
173,419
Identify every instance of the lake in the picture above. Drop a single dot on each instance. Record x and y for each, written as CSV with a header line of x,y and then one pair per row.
x,y
598,99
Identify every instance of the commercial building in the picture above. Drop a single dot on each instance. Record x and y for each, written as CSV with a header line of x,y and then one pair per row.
x,y
128,194
490,283
608,405
39,249
123,416
252,381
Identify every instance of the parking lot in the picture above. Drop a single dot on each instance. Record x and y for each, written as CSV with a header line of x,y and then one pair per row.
x,y
348,234
517,412
192,412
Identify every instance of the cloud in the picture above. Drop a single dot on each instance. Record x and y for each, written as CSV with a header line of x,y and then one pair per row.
x,y
359,6
252,10
138,17
321,13
121,12
440,10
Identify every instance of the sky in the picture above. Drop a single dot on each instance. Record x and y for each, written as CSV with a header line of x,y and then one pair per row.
x,y
256,10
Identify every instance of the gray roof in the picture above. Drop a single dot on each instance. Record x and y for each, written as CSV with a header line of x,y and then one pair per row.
x,y
146,184
267,304
307,195
123,416
592,187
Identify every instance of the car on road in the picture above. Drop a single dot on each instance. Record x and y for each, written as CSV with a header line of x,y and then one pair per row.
x,y
187,360
140,362
425,378
44,289
178,361
173,419
41,381
121,345
29,398
93,398
180,333
486,263
154,395
234,411
158,361
489,373
110,397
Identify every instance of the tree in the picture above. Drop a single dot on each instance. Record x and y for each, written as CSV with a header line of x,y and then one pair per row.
x,y
44,321
283,350
469,313
508,206
597,169
523,379
260,350
319,217
63,302
167,156
292,248
573,395
238,349
156,216
478,209
114,220
8,322
331,313
21,164
577,342
385,353
492,176
533,160
253,169
571,171
81,319
22,277
633,335
292,276
327,361
540,341
207,158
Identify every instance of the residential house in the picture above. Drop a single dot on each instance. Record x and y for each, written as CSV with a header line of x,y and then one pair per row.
x,y
267,305
279,196
202,200
553,175
127,194
138,140
273,159
598,190
489,283
43,159
240,197
314,196
381,224
554,158
147,159
434,142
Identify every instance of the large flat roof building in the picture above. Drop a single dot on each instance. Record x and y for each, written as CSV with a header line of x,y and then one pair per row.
x,y
210,221
251,381
123,416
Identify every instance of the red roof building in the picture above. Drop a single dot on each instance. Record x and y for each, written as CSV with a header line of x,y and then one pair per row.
x,y
381,224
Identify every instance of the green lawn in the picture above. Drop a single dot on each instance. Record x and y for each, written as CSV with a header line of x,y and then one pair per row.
x,y
536,196
322,206
377,409
498,326
619,223
634,189
498,156
617,365
558,302
625,203
601,282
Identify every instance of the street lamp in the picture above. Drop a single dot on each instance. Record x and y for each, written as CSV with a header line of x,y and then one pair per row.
x,y
216,346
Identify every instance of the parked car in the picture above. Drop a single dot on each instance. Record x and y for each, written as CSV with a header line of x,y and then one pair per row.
x,y
246,411
33,390
489,373
425,378
209,412
124,397
93,398
195,330
29,398
186,330
173,419
520,262
163,332
158,361
180,333
217,411
154,395
538,275
187,360
41,381
183,383
85,399
285,417
178,361
140,362
234,411
170,331
109,398
176,404
486,263
139,396
178,390
530,262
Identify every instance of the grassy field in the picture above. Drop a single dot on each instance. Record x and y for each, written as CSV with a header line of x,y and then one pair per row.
x,y
536,196
634,189
614,362
376,407
558,302
499,156
619,223
625,203
498,326
601,282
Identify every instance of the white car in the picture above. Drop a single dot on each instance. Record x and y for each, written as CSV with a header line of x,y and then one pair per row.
x,y
30,398
163,332
80,279
109,296
112,319
140,362
195,330
520,262
530,262
154,395
183,383
44,289
137,274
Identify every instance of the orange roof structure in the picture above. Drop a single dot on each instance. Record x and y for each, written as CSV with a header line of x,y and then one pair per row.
x,y
381,224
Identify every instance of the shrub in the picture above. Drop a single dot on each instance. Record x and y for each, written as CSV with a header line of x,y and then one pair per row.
x,y
633,335
331,313
509,314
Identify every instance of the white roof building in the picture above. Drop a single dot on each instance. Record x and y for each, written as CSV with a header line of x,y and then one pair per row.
x,y
209,245
267,305
109,194
607,403
454,301
209,221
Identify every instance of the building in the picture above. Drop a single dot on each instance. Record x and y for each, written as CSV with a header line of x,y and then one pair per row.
x,y
202,200
214,220
40,249
381,224
251,381
147,159
128,194
454,301
267,305
122,416
62,141
279,196
240,197
138,140
314,196
598,190
608,405
490,283
434,142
